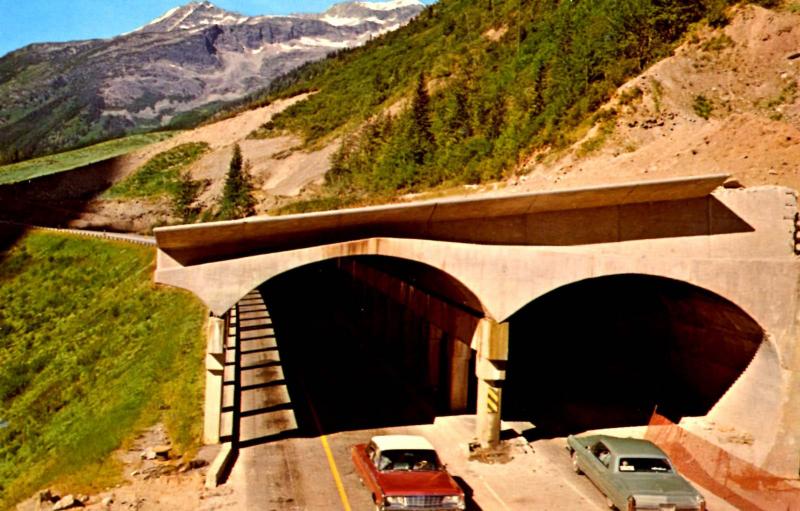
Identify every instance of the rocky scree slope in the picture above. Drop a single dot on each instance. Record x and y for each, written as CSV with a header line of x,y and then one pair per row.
x,y
726,101
56,96
542,104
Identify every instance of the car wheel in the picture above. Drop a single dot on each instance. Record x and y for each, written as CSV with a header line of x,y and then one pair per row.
x,y
575,466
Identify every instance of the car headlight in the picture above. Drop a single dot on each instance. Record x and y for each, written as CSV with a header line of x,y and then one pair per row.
x,y
396,501
456,500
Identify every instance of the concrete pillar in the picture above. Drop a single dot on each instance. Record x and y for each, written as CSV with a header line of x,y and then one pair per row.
x,y
491,343
488,412
459,375
215,364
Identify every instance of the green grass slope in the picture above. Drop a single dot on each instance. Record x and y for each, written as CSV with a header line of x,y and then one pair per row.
x,y
486,84
69,160
90,350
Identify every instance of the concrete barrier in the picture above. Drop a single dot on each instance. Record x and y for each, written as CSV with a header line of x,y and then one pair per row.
x,y
219,468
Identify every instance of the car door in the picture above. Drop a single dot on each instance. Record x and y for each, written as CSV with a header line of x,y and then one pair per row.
x,y
599,467
370,461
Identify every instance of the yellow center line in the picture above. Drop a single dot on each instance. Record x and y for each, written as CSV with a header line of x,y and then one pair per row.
x,y
335,472
328,453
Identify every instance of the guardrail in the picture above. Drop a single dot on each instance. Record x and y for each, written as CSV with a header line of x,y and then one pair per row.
x,y
119,236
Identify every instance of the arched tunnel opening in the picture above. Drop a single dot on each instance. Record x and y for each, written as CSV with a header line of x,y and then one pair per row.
x,y
609,351
360,349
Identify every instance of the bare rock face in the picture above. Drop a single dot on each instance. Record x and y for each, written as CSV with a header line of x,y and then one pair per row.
x,y
57,95
67,502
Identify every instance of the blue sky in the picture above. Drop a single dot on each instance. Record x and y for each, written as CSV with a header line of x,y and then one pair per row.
x,y
28,21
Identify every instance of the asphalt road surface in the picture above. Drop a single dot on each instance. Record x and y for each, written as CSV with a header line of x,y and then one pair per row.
x,y
341,394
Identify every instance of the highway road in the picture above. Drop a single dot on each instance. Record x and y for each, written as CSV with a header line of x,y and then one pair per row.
x,y
316,473
342,393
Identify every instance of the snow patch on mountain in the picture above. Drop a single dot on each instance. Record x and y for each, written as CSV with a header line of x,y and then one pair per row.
x,y
340,21
392,5
196,15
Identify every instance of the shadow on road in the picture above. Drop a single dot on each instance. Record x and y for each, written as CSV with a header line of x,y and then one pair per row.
x,y
468,493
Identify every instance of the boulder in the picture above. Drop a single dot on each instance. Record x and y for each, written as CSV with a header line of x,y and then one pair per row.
x,y
67,502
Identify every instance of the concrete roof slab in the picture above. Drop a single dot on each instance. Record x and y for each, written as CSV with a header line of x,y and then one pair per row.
x,y
196,243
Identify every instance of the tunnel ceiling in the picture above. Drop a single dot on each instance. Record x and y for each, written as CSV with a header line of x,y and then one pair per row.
x,y
428,279
607,351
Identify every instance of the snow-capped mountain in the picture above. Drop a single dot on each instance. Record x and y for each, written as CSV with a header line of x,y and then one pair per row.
x,y
192,16
198,15
189,57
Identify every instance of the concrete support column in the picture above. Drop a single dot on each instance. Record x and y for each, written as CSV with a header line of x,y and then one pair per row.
x,y
491,343
488,412
459,375
215,363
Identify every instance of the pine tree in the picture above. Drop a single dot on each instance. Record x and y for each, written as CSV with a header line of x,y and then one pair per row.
x,y
421,137
237,195
184,196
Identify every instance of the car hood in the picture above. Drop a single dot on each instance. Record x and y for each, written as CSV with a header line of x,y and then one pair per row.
x,y
658,484
423,482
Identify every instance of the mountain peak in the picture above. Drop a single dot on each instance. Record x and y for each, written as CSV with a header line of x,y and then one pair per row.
x,y
390,14
192,16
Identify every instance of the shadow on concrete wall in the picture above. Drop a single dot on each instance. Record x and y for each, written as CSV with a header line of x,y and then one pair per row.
x,y
610,224
736,481
353,359
652,220
606,352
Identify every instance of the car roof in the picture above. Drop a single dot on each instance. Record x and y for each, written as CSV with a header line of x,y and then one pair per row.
x,y
401,442
631,446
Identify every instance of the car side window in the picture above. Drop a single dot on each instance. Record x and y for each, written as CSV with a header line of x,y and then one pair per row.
x,y
602,453
383,463
372,452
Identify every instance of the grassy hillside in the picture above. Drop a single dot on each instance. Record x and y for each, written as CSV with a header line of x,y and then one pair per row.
x,y
78,158
90,350
473,88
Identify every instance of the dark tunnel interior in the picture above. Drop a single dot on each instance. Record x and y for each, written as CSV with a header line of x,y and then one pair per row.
x,y
606,352
354,359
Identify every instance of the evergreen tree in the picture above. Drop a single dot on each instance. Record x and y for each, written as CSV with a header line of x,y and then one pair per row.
x,y
237,195
184,197
422,140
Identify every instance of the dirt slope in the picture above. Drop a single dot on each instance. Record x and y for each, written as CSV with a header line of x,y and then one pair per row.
x,y
749,73
278,168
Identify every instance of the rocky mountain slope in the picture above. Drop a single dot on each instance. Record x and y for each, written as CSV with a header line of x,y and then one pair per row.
x,y
726,101
60,95
747,71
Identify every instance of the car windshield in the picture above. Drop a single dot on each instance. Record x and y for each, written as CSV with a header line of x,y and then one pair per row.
x,y
644,465
414,459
